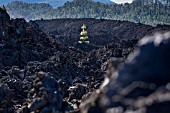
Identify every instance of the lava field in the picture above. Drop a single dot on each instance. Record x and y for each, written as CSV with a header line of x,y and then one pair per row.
x,y
43,69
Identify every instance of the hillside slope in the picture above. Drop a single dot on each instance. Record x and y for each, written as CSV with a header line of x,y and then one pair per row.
x,y
54,3
143,11
101,32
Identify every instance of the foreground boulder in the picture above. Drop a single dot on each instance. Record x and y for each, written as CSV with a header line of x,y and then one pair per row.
x,y
45,95
141,85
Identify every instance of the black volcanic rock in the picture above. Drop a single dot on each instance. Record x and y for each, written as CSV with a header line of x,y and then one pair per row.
x,y
5,100
4,22
49,95
39,73
21,42
141,83
101,32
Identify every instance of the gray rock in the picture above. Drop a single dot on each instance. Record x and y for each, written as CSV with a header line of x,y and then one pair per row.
x,y
37,104
76,92
48,95
141,84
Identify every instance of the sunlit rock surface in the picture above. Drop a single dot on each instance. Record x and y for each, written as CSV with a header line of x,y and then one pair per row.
x,y
141,84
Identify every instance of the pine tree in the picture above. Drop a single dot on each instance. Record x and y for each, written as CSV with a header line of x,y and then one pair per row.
x,y
3,8
84,37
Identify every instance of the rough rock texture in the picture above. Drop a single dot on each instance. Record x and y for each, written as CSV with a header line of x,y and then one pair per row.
x,y
4,22
100,32
22,42
141,84
26,51
41,74
13,89
46,94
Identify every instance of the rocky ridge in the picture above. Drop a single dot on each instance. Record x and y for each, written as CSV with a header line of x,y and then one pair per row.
x,y
101,32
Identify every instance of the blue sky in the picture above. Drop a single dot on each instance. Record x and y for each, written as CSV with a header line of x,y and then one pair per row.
x,y
122,1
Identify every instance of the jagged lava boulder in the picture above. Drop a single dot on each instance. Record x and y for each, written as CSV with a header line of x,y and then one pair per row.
x,y
141,84
46,94
4,22
21,42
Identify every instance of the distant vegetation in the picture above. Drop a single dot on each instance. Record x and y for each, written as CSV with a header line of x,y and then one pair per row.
x,y
28,11
143,11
